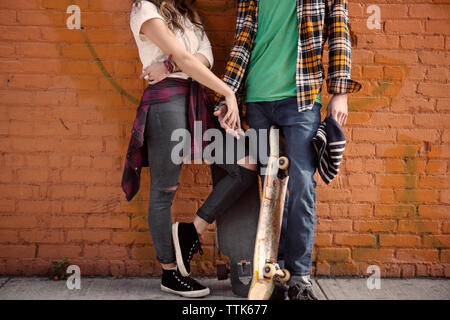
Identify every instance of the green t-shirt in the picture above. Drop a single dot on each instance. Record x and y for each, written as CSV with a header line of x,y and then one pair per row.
x,y
273,63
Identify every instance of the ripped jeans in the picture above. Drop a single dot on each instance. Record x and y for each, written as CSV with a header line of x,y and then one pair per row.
x,y
162,120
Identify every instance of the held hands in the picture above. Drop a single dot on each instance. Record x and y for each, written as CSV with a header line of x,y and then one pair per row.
x,y
228,115
338,108
155,73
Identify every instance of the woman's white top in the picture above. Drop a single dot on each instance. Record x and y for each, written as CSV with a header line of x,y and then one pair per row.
x,y
193,39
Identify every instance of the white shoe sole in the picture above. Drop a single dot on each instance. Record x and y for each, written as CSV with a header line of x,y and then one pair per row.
x,y
176,244
187,294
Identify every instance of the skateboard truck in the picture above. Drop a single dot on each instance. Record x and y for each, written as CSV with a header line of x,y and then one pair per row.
x,y
272,271
244,271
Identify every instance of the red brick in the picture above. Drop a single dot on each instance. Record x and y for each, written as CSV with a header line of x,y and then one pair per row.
x,y
59,251
8,236
22,222
404,26
36,236
436,241
105,252
66,222
333,254
375,226
418,226
87,236
401,241
434,11
433,211
131,238
108,222
17,251
343,269
355,240
143,253
322,240
372,255
394,211
417,255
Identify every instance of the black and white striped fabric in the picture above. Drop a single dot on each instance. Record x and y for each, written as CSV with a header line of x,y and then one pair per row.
x,y
329,143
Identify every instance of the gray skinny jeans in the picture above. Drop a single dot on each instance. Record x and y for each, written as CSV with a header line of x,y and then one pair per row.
x,y
162,120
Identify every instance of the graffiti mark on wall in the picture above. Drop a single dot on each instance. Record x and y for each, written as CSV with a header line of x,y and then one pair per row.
x,y
77,18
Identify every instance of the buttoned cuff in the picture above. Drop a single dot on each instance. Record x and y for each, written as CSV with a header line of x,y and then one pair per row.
x,y
342,85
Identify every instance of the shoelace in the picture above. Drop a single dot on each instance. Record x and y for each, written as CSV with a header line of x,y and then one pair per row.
x,y
196,247
305,293
186,281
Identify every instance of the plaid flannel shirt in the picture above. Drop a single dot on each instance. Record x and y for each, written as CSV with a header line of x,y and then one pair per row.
x,y
164,91
319,21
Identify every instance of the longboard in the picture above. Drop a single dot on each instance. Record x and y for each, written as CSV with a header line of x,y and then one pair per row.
x,y
236,232
265,267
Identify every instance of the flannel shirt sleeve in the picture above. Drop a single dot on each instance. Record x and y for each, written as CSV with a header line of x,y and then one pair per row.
x,y
241,50
340,48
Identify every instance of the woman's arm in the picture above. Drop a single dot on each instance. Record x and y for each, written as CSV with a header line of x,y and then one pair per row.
x,y
157,71
159,33
202,59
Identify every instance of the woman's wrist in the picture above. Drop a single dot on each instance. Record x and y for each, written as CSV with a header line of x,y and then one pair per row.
x,y
229,93
170,65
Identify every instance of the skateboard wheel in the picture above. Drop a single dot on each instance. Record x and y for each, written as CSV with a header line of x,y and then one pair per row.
x,y
286,277
283,163
269,271
222,271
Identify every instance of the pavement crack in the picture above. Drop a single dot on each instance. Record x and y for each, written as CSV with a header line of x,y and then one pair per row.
x,y
321,289
3,284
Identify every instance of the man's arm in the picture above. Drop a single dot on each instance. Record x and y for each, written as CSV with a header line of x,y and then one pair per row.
x,y
339,82
242,46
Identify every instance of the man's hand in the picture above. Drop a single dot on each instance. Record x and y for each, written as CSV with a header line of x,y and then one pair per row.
x,y
220,114
338,108
155,72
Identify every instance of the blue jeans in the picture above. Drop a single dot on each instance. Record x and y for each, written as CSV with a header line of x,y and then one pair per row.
x,y
298,128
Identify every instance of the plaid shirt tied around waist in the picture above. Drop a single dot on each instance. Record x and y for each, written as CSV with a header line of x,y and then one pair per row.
x,y
137,153
319,21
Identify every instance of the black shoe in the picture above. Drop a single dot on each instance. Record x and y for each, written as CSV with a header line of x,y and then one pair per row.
x,y
173,282
301,291
279,292
186,243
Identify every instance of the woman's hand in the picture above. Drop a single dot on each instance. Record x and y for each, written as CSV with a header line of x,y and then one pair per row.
x,y
228,116
159,33
155,73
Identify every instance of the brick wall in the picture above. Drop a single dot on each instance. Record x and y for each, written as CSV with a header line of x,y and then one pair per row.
x,y
68,98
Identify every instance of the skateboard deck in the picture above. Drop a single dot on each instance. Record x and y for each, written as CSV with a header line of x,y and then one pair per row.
x,y
265,267
236,232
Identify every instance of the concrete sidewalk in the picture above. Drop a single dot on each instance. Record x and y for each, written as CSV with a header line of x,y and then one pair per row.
x,y
143,288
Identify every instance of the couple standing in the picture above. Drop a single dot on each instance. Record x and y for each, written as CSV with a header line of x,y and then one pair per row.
x,y
275,69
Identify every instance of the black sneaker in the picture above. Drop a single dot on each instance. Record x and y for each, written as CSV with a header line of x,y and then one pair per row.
x,y
186,243
173,282
301,291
